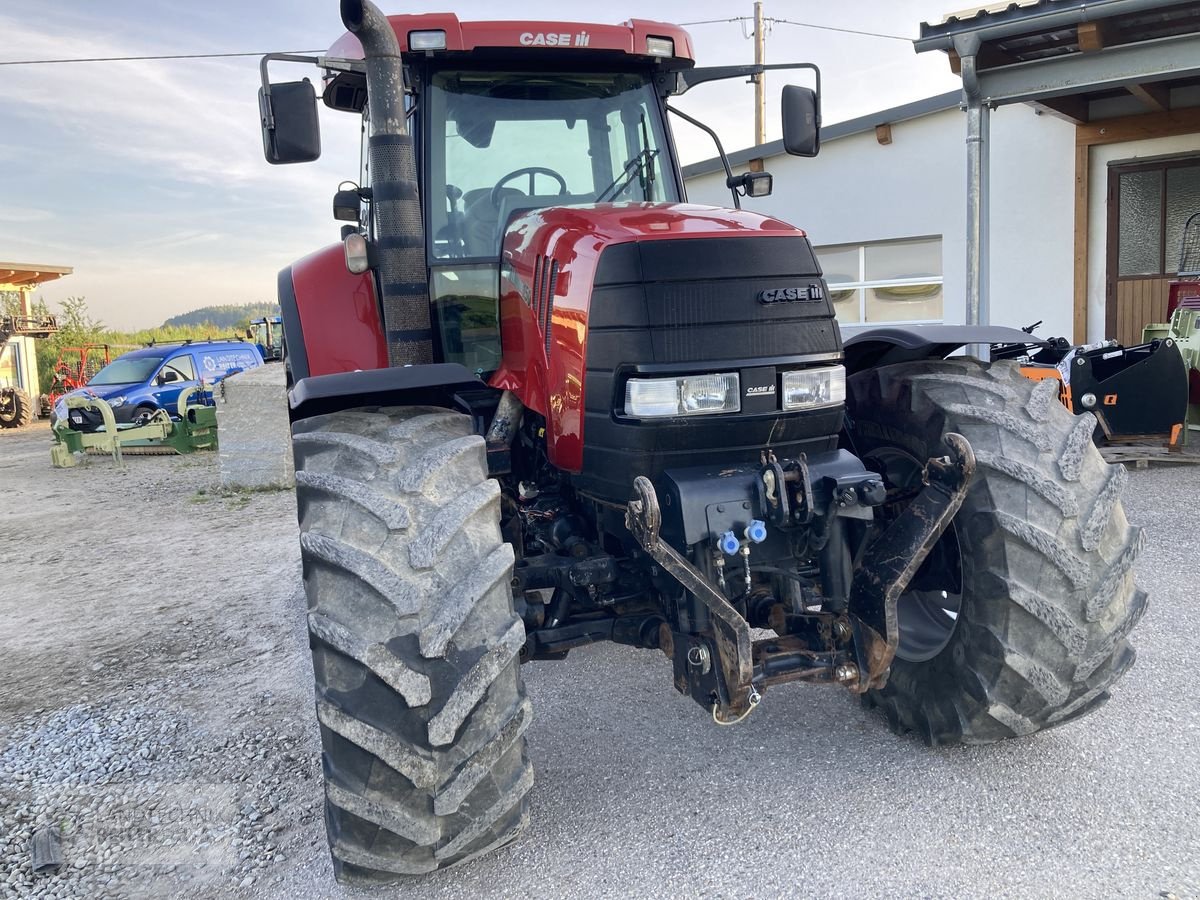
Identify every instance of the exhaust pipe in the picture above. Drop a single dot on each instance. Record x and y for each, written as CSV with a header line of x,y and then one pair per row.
x,y
395,199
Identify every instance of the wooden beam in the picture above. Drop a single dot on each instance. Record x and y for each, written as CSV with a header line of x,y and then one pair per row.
x,y
955,62
1137,128
883,133
1155,96
1069,109
1091,36
1082,174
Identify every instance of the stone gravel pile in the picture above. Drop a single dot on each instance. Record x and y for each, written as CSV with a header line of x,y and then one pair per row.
x,y
142,800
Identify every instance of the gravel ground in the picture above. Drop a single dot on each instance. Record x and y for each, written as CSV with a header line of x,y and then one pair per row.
x,y
155,705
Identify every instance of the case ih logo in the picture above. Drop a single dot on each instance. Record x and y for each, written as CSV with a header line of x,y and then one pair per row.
x,y
541,39
790,294
760,389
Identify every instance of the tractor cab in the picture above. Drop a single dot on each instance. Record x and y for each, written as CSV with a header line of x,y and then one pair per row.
x,y
510,117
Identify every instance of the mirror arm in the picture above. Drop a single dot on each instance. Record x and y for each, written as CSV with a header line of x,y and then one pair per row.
x,y
325,62
689,78
268,114
737,204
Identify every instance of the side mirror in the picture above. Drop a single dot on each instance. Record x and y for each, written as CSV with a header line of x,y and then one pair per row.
x,y
290,128
801,121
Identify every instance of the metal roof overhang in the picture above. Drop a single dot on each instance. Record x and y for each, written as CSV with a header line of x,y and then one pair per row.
x,y
991,24
1165,59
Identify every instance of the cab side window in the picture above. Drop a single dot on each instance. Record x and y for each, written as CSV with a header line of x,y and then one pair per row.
x,y
182,368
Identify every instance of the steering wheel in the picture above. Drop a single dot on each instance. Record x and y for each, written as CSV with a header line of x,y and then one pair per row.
x,y
532,172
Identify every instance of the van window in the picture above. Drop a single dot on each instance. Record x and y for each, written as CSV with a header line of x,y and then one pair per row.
x,y
127,371
182,365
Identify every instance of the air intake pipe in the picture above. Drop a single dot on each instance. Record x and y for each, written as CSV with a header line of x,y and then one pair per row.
x,y
395,200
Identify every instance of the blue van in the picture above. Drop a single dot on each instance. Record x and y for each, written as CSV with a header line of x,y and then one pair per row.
x,y
142,381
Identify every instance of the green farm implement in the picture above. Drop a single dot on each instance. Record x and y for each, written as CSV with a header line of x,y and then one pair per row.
x,y
194,429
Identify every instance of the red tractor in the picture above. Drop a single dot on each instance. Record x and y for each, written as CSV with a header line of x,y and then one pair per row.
x,y
539,401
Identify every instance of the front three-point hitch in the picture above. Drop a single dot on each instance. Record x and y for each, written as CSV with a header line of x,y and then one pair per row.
x,y
852,642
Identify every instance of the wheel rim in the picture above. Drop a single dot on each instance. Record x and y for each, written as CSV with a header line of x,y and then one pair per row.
x,y
927,613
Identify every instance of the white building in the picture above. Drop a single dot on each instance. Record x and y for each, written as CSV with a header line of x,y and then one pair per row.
x,y
1090,184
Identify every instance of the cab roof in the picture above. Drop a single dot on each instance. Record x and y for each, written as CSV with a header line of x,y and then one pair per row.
x,y
538,37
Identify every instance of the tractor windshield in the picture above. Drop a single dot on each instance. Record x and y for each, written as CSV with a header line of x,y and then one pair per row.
x,y
127,371
503,142
500,143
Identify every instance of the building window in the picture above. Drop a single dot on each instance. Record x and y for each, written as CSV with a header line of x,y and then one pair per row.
x,y
885,281
1153,203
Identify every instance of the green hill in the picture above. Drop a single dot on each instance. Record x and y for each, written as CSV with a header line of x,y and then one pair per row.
x,y
226,316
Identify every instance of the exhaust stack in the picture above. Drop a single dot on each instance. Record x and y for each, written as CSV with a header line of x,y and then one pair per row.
x,y
395,203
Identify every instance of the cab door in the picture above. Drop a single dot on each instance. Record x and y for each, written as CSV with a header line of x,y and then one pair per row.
x,y
176,373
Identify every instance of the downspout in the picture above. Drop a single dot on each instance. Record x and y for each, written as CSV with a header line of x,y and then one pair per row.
x,y
399,235
977,311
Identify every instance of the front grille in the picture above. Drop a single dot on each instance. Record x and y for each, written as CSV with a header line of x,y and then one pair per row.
x,y
679,306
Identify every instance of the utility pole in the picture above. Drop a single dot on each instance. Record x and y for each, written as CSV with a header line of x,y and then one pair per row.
x,y
760,86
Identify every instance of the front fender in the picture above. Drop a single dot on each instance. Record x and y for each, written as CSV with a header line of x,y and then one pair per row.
x,y
885,346
331,318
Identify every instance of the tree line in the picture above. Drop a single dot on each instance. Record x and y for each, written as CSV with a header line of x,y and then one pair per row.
x,y
77,326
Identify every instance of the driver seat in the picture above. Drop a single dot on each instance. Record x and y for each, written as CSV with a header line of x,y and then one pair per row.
x,y
482,225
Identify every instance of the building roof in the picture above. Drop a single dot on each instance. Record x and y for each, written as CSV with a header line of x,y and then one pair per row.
x,y
1035,29
26,275
904,112
1064,54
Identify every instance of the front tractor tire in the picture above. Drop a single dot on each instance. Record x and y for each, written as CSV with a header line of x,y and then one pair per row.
x,y
414,641
1018,619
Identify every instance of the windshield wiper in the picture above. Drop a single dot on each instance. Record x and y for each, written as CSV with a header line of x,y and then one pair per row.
x,y
641,166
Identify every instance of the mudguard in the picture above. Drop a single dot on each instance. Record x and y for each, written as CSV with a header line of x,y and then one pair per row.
x,y
430,385
331,319
876,347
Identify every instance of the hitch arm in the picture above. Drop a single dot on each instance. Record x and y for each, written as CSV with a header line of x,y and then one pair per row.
x,y
734,651
895,556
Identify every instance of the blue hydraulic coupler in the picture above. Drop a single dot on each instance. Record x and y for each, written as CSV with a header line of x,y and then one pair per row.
x,y
756,531
728,543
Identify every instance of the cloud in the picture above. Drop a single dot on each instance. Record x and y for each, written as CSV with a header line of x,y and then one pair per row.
x,y
24,214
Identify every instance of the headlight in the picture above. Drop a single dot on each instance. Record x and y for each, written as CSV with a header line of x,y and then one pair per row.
x,y
114,402
689,395
814,388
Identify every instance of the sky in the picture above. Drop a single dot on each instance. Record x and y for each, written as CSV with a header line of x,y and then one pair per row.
x,y
148,177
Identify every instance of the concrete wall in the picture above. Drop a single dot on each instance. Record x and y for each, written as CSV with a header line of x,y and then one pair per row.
x,y
859,190
253,431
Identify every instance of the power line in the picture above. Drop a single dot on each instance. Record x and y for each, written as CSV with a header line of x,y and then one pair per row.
x,y
93,59
876,34
891,37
